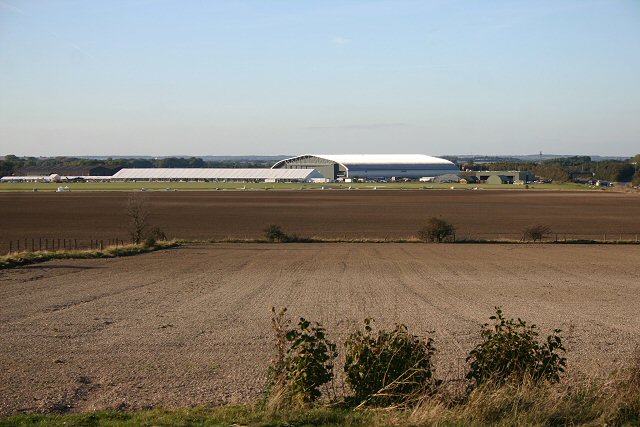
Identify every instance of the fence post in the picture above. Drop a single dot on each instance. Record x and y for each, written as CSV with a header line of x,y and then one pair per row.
x,y
58,244
40,243
26,246
33,244
17,245
75,244
100,244
10,246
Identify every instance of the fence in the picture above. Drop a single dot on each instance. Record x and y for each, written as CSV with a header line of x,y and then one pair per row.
x,y
40,244
59,244
554,237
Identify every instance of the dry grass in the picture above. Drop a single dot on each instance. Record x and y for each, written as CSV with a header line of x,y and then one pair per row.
x,y
16,259
612,402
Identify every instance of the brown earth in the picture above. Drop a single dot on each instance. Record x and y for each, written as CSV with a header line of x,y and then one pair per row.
x,y
335,214
191,325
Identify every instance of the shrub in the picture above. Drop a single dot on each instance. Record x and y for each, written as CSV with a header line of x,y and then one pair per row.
x,y
536,232
157,234
298,374
436,230
149,242
389,367
274,233
510,351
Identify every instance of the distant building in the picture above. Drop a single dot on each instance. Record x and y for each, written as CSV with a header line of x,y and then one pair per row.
x,y
214,175
371,166
505,177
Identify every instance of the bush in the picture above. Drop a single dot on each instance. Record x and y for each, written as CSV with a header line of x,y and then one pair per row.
x,y
436,230
274,233
149,242
510,351
298,374
536,232
157,234
390,367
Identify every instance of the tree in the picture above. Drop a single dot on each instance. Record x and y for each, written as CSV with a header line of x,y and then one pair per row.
x,y
138,214
436,230
536,232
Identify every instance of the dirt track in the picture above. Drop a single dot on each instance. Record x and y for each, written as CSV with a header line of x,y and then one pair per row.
x,y
191,326
351,214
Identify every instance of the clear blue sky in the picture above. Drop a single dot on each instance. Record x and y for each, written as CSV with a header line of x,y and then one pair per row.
x,y
162,77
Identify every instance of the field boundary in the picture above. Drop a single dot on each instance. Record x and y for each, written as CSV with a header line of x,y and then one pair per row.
x,y
18,259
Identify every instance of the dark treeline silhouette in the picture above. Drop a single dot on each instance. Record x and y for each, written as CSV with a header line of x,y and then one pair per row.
x,y
571,168
11,164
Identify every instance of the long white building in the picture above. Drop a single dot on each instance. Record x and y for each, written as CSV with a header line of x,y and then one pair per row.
x,y
211,174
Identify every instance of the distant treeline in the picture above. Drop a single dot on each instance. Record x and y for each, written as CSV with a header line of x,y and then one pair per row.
x,y
571,169
563,169
11,163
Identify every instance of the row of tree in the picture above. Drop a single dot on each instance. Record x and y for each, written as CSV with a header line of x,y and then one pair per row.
x,y
572,168
10,164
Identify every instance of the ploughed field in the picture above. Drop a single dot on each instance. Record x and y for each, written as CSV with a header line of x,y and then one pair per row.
x,y
192,325
330,214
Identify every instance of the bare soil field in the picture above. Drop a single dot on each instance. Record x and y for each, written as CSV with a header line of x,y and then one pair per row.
x,y
192,325
329,214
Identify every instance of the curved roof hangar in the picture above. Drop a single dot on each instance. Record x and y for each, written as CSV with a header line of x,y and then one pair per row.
x,y
371,165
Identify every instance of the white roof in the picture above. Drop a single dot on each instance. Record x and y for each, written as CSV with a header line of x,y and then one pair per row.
x,y
209,173
25,178
378,159
373,159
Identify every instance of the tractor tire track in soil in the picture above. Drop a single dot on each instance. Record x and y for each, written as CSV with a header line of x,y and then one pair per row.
x,y
327,214
191,325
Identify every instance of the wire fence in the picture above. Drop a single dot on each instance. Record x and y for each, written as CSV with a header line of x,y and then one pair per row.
x,y
39,244
553,237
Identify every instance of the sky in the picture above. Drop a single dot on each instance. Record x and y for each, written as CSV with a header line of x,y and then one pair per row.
x,y
436,77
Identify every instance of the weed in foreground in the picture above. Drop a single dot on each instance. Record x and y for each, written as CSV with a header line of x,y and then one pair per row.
x,y
390,367
303,363
510,351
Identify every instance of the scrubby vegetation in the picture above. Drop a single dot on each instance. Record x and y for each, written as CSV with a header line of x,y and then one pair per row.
x,y
510,351
274,233
536,232
436,230
17,259
304,361
388,367
396,367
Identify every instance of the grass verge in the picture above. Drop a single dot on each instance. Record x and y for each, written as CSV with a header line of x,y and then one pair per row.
x,y
615,402
17,259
